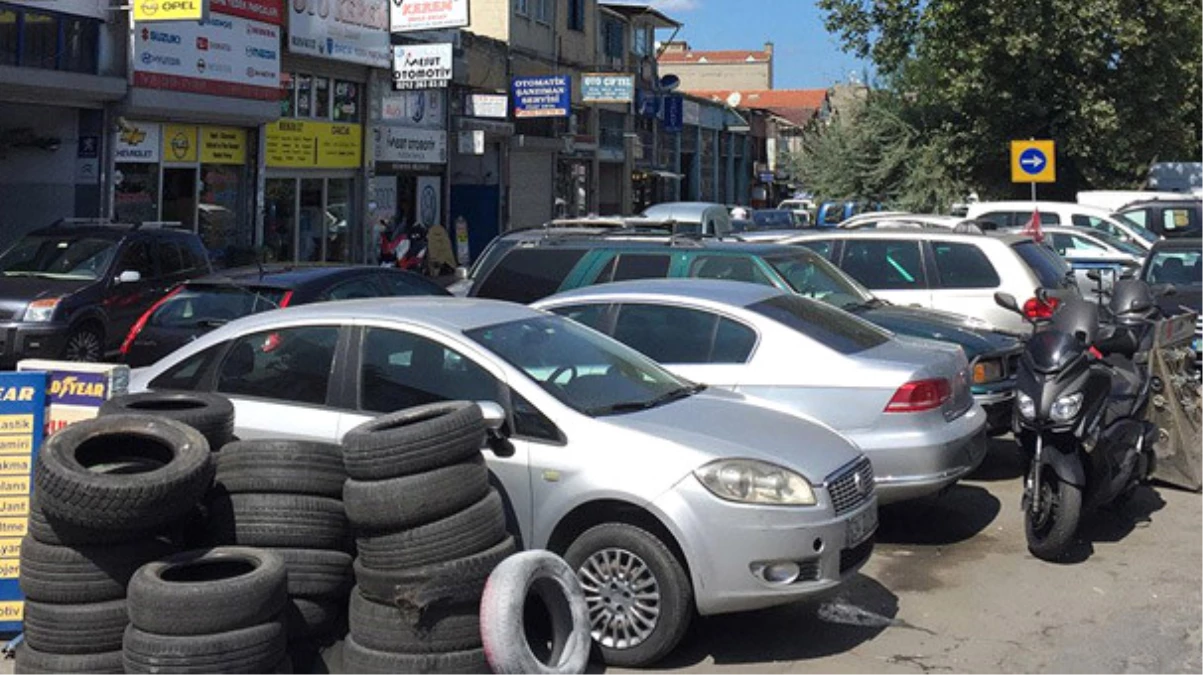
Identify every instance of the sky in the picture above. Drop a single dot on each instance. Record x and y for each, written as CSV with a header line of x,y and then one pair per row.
x,y
805,56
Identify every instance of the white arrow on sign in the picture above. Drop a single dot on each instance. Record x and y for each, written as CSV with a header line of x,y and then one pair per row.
x,y
1033,161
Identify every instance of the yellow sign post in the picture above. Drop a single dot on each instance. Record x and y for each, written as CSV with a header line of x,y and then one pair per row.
x,y
1033,162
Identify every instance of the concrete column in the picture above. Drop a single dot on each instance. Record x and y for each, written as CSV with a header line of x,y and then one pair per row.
x,y
730,194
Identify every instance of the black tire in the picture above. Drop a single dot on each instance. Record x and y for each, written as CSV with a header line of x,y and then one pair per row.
x,y
278,520
672,583
210,414
398,503
317,573
257,649
414,440
472,530
51,530
30,660
70,575
76,628
413,589
444,627
1050,533
84,343
360,659
122,472
208,591
308,619
295,467
539,585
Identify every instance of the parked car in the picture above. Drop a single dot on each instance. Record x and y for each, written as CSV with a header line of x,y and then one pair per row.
x,y
1085,250
605,454
693,217
904,401
1180,217
775,219
1018,214
804,209
195,307
1179,262
72,290
886,220
538,268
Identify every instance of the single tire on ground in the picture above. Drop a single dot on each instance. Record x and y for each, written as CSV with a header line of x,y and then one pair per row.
x,y
89,628
472,530
458,580
541,583
295,467
278,520
308,619
210,414
52,530
30,660
413,440
122,472
317,573
257,649
83,574
441,627
208,591
360,659
406,501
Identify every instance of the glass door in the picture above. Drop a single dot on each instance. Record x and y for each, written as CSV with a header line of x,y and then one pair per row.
x,y
179,196
313,215
279,220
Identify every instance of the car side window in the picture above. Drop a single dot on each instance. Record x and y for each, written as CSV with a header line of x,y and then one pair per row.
x,y
1094,223
289,364
884,264
187,374
683,336
964,266
641,266
824,247
530,423
359,287
728,267
593,315
400,370
999,218
398,283
528,274
171,258
1139,216
1175,220
136,257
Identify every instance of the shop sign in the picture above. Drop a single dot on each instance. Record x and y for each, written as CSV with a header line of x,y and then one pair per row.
x,y
421,66
87,160
314,145
429,198
487,105
222,56
344,31
607,88
472,142
414,15
547,96
409,145
168,10
222,145
414,109
22,425
268,11
138,142
179,143
97,9
672,113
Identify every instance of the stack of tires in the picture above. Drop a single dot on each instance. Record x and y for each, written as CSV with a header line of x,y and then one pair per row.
x,y
210,414
286,496
429,530
105,489
217,610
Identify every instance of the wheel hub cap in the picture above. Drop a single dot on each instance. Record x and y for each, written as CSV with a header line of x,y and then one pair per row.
x,y
622,596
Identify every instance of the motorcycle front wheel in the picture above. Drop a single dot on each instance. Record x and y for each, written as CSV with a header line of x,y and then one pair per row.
x,y
1050,529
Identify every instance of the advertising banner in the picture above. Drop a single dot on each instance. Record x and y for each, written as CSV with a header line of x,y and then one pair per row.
x,y
546,96
413,15
267,11
76,390
222,145
409,145
423,109
138,142
222,55
495,106
421,66
179,143
607,88
342,30
168,10
314,145
22,424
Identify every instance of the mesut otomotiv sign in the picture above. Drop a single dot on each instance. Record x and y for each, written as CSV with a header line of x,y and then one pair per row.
x,y
422,66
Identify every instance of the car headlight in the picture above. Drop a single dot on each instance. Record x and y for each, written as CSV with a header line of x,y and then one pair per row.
x,y
987,371
1026,406
751,481
1066,408
41,310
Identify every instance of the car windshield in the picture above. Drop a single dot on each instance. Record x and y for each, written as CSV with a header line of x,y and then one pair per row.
x,y
1140,230
1178,267
582,368
205,306
67,257
811,275
772,219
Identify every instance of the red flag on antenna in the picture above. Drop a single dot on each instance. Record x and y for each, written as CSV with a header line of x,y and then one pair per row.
x,y
1033,227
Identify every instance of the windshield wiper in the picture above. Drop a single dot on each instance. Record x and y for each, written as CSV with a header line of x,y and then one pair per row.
x,y
635,406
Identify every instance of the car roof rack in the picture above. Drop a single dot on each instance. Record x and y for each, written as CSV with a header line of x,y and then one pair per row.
x,y
158,224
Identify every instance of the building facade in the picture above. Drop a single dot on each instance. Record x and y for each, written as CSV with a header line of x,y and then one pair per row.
x,y
718,69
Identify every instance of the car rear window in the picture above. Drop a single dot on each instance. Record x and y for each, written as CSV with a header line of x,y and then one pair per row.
x,y
1049,269
203,306
528,274
822,323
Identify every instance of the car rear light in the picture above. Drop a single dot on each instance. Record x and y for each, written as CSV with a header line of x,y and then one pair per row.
x,y
1034,308
141,322
284,299
920,395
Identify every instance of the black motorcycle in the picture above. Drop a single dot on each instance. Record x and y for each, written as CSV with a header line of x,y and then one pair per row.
x,y
1082,389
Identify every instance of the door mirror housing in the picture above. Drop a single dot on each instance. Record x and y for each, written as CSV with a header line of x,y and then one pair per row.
x,y
493,413
1007,301
129,277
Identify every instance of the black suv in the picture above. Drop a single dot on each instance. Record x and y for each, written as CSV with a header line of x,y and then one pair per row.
x,y
72,290
1168,217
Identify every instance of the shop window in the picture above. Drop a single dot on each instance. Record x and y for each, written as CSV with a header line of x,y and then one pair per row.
x,y
304,95
321,98
288,100
576,14
219,213
40,48
339,209
10,30
80,38
137,192
279,221
346,101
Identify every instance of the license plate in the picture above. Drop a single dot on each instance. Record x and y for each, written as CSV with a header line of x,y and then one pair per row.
x,y
861,527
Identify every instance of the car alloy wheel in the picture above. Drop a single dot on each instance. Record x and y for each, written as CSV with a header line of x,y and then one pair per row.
x,y
623,598
83,345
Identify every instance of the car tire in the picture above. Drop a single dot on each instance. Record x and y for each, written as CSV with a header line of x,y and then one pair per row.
x,y
544,578
210,414
156,471
295,467
89,628
30,660
675,594
407,501
316,573
277,520
58,532
472,530
360,659
444,627
208,591
83,574
84,343
414,440
257,649
458,580
307,618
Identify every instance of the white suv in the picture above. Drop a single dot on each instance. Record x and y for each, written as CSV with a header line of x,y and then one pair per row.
x,y
1017,214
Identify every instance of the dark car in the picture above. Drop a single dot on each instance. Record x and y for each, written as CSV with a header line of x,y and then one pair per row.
x,y
1179,262
72,290
1171,218
200,305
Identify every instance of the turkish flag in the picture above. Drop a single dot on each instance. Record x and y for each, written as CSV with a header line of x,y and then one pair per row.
x,y
1033,227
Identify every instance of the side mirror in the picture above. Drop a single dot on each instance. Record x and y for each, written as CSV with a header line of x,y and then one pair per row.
x,y
461,273
493,413
1007,301
129,277
1094,275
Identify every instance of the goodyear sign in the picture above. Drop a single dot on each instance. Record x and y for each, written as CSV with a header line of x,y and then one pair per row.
x,y
22,422
77,390
169,10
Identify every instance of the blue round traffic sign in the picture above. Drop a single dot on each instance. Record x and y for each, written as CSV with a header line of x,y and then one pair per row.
x,y
1032,161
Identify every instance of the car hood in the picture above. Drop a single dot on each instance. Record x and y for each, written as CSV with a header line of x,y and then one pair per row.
x,y
937,325
16,292
717,424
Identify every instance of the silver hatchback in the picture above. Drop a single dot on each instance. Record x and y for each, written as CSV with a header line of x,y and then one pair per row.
x,y
665,496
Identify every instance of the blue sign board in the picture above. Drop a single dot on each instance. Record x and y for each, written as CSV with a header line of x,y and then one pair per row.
x,y
607,88
1032,161
22,426
547,96
673,113
647,103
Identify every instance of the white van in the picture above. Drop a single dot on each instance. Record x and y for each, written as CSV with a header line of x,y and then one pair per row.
x,y
1019,213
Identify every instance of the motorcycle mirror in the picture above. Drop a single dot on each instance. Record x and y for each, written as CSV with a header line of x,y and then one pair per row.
x,y
1094,275
1007,301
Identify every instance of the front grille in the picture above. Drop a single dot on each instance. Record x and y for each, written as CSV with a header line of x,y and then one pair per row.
x,y
851,557
808,570
851,486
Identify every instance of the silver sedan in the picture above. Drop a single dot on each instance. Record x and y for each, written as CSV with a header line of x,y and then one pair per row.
x,y
905,401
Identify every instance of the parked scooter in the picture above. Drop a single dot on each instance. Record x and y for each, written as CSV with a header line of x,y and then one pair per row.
x,y
1082,390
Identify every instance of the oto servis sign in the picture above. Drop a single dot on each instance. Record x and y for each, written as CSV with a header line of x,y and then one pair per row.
x,y
421,66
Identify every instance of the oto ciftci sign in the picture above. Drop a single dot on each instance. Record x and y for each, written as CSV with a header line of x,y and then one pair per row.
x,y
421,66
544,96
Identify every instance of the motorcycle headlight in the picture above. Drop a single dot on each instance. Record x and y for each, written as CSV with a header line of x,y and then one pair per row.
x,y
1066,408
987,371
751,481
41,310
1026,406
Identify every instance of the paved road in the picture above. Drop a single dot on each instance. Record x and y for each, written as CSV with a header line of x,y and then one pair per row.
x,y
951,587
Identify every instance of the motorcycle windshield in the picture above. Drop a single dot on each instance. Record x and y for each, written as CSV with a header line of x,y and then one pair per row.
x,y
1053,350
